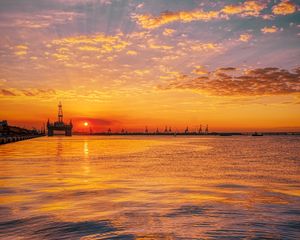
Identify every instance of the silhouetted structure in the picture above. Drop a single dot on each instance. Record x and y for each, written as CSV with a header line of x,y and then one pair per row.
x,y
186,131
200,129
206,129
10,134
3,123
166,129
256,134
59,125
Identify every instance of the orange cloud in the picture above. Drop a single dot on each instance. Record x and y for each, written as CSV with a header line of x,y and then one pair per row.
x,y
21,50
153,45
22,47
231,81
107,43
149,22
248,8
205,46
272,29
141,72
131,52
89,48
245,37
5,92
168,32
60,57
30,92
82,51
21,53
285,7
200,70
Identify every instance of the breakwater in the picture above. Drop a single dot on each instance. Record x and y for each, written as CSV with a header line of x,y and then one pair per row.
x,y
12,139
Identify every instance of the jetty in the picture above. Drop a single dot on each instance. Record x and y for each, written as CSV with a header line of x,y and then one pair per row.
x,y
10,134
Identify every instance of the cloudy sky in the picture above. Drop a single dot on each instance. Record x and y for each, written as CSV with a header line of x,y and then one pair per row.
x,y
234,65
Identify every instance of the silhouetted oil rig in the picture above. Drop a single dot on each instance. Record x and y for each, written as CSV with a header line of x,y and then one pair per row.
x,y
59,125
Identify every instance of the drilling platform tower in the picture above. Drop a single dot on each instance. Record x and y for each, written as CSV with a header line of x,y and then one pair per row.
x,y
59,125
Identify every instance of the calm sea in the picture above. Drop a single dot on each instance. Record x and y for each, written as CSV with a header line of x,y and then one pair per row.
x,y
88,187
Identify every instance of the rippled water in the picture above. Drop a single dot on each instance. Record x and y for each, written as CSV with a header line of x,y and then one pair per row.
x,y
150,188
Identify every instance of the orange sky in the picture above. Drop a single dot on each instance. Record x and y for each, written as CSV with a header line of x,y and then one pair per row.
x,y
233,65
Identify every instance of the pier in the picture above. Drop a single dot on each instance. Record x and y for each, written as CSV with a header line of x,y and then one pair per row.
x,y
4,140
10,134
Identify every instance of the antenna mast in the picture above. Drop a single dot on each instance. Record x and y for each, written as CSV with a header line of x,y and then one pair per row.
x,y
60,113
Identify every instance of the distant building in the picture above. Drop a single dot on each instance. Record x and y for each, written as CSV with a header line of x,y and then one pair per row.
x,y
166,129
3,123
186,131
206,129
200,129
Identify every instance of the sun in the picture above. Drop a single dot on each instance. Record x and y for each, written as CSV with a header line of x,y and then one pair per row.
x,y
86,124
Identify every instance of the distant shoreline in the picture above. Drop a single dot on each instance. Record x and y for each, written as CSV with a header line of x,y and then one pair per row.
x,y
191,134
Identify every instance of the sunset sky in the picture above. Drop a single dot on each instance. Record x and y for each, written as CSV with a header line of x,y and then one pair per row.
x,y
234,65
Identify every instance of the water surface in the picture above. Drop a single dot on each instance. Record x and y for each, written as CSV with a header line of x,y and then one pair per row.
x,y
88,187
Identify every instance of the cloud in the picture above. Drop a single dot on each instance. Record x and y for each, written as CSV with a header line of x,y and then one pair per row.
x,y
149,22
71,2
200,70
245,37
196,45
285,7
21,53
21,50
106,2
5,92
272,29
60,57
43,19
226,69
96,42
131,52
235,82
89,48
248,8
205,47
169,32
22,47
87,39
153,45
141,72
84,51
50,94
29,92
141,5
